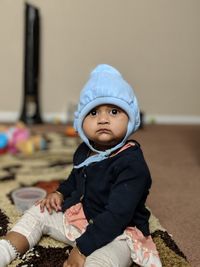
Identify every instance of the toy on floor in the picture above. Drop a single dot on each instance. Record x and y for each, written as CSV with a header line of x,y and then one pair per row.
x,y
31,145
70,131
18,139
3,143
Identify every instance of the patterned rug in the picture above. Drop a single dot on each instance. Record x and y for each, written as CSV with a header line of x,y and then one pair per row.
x,y
45,169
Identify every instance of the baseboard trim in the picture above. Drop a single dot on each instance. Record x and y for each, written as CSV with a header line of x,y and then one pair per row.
x,y
171,119
12,117
8,116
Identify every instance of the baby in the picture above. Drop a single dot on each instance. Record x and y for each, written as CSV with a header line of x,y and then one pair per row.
x,y
100,209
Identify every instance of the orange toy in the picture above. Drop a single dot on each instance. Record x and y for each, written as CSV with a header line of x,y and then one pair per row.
x,y
70,131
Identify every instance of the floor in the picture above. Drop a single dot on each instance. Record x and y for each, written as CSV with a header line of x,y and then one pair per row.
x,y
173,154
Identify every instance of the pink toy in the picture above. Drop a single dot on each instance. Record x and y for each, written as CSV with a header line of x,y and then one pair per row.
x,y
17,135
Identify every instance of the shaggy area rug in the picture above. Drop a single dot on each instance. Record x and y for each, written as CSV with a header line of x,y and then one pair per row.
x,y
45,169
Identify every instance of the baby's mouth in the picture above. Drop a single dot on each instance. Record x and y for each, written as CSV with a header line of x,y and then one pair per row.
x,y
103,131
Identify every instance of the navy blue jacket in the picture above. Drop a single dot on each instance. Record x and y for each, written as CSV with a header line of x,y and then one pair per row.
x,y
113,194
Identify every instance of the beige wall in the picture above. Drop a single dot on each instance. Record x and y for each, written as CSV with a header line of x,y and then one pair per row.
x,y
154,43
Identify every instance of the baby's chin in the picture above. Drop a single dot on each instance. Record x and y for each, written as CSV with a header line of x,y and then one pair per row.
x,y
104,145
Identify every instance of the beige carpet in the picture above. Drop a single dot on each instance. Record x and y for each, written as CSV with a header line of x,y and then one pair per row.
x,y
45,169
173,154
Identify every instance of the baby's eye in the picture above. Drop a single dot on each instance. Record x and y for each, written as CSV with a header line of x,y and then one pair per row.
x,y
93,112
114,111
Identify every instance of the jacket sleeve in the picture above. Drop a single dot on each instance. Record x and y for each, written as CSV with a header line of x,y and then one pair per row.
x,y
132,184
68,185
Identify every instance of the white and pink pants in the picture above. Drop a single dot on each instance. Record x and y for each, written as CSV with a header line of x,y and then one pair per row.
x,y
121,252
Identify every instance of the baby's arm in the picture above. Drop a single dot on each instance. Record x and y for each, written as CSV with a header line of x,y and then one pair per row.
x,y
67,186
53,201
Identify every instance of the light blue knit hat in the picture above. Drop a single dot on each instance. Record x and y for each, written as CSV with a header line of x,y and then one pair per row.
x,y
106,86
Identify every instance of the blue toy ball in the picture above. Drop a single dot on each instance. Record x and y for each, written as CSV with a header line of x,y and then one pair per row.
x,y
3,141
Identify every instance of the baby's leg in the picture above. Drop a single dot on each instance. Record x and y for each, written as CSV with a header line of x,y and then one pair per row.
x,y
28,231
114,254
35,223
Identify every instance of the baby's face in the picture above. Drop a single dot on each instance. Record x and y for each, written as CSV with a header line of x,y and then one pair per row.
x,y
105,125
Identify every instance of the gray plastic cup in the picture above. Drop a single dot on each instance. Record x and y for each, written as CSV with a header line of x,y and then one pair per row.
x,y
25,197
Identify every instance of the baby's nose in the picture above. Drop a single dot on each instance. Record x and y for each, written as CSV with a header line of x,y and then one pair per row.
x,y
103,118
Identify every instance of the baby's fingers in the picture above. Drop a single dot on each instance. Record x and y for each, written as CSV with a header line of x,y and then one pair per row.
x,y
58,204
37,202
49,206
54,204
65,264
42,204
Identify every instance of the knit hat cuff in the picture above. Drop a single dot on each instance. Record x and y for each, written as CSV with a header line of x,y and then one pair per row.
x,y
79,117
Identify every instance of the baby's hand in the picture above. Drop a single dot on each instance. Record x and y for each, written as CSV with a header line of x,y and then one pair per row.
x,y
51,202
75,259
